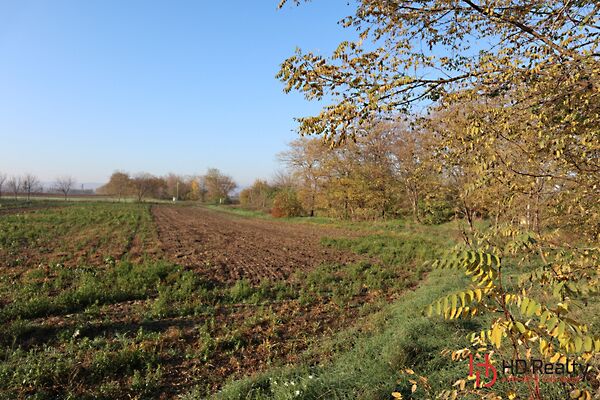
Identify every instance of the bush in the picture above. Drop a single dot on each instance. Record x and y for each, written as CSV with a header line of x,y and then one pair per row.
x,y
436,212
286,204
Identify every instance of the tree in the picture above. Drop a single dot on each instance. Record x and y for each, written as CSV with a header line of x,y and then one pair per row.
x,y
30,183
218,186
145,184
202,189
365,178
3,178
283,180
14,184
259,196
118,185
409,167
178,187
64,184
516,125
303,158
427,50
194,193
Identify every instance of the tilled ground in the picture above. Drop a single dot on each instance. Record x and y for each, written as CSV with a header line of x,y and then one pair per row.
x,y
225,247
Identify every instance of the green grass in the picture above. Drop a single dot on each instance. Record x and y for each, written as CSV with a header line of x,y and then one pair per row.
x,y
241,212
364,362
83,369
75,231
60,290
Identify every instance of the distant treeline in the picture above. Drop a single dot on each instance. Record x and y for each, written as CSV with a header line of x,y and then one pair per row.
x,y
29,185
214,186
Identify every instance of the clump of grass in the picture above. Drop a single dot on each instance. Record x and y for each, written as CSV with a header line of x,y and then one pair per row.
x,y
183,293
391,250
76,289
86,368
241,291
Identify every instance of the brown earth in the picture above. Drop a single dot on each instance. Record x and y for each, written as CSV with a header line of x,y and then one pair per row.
x,y
225,247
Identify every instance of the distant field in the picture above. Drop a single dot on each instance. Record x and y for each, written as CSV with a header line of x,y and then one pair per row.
x,y
125,300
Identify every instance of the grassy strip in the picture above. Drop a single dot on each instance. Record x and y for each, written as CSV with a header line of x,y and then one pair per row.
x,y
366,360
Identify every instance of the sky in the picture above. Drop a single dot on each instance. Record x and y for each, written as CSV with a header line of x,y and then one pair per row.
x,y
90,87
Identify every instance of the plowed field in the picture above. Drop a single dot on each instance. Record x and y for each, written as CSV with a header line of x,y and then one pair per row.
x,y
225,247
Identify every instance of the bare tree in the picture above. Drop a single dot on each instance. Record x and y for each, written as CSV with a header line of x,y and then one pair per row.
x,y
2,180
30,184
218,186
283,180
64,185
144,184
304,159
14,184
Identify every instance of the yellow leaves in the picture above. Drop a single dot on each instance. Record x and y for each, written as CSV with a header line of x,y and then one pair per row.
x,y
555,358
580,394
496,334
560,330
588,344
461,384
481,266
415,380
545,347
521,328
456,305
578,344
552,322
529,307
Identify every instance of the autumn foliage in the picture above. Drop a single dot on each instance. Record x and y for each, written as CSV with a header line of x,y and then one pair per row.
x,y
502,100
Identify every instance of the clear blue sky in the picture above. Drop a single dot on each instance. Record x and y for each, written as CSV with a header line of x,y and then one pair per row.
x,y
88,87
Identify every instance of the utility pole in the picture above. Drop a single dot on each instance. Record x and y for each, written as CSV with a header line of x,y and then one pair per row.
x,y
177,185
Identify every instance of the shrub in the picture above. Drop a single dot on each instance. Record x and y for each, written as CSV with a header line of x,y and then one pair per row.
x,y
286,204
436,212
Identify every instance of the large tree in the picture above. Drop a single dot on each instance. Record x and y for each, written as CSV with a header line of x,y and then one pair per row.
x,y
14,185
511,91
405,52
147,185
218,185
118,185
304,158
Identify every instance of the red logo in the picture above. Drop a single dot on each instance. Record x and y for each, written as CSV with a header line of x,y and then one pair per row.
x,y
488,367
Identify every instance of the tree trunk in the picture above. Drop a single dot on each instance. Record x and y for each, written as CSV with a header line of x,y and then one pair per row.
x,y
469,215
414,198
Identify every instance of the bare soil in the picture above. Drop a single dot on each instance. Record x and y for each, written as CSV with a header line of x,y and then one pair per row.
x,y
225,247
